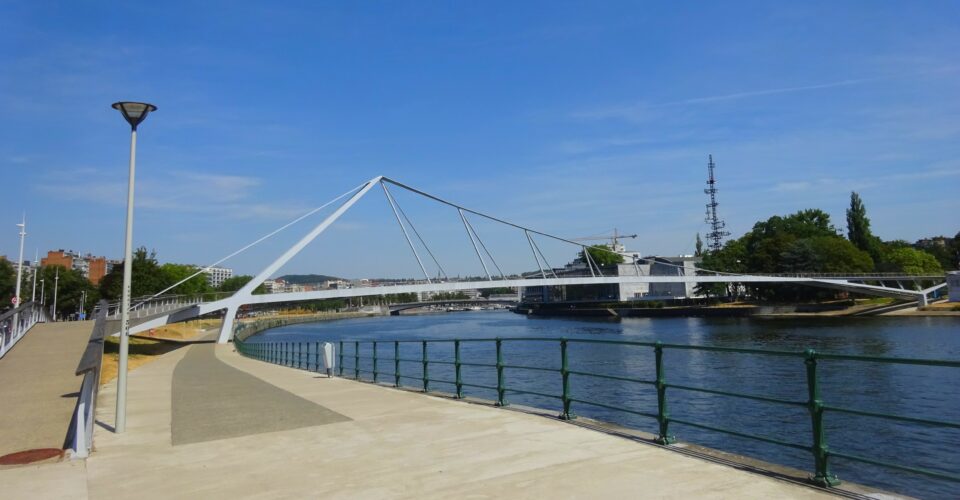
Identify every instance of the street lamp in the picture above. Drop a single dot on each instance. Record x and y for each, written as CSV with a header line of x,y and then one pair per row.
x,y
134,113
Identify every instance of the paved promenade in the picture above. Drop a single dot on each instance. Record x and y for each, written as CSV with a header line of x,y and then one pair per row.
x,y
266,431
38,388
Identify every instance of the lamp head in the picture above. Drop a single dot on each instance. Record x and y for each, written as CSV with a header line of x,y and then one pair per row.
x,y
134,112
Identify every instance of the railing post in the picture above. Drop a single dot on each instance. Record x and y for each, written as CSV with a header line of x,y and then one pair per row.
x,y
663,416
426,370
396,363
823,477
565,374
356,360
501,387
341,358
456,367
316,356
374,361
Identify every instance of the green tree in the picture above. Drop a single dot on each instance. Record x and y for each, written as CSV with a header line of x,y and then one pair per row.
x,y
698,251
235,283
602,255
173,273
68,289
147,279
910,261
8,281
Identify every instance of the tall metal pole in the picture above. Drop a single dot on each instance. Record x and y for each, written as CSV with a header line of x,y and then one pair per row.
x,y
56,287
36,268
23,233
43,288
121,423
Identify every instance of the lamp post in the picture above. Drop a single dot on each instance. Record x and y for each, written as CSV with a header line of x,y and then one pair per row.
x,y
36,268
23,233
42,289
134,113
56,288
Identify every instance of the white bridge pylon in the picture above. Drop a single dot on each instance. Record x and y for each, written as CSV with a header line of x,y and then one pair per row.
x,y
548,277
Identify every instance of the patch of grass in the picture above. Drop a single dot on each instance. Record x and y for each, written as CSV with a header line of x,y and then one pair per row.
x,y
140,352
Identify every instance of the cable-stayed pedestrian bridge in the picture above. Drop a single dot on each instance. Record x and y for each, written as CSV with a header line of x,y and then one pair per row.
x,y
436,279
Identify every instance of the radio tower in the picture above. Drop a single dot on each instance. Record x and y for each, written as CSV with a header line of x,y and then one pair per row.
x,y
717,232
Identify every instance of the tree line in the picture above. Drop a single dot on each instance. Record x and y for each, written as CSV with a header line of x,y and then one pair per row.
x,y
808,242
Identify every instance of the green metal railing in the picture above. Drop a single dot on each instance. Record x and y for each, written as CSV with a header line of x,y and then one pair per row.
x,y
301,355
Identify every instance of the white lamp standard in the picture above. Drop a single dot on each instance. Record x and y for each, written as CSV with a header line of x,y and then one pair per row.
x,y
36,267
56,288
134,113
23,233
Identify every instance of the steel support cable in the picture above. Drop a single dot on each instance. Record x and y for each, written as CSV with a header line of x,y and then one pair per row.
x,y
475,248
530,241
544,257
485,249
404,229
534,231
417,233
261,239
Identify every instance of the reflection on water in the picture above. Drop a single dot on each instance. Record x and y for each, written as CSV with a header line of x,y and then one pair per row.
x,y
930,392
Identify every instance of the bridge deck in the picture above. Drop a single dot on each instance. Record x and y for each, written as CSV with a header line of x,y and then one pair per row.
x,y
38,388
360,441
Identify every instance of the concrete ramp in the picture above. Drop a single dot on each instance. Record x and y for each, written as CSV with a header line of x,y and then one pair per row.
x,y
39,389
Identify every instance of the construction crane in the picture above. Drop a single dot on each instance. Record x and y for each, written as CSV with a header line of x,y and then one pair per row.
x,y
614,238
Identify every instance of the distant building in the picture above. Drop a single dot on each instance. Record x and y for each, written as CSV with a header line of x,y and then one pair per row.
x,y
92,268
953,285
217,275
684,265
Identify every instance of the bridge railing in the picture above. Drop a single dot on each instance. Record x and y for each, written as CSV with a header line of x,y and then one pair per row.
x,y
145,306
15,323
80,434
382,362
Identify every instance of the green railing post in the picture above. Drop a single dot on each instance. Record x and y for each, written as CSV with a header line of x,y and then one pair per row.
x,y
663,416
396,363
456,367
823,477
565,374
374,361
426,371
341,358
356,360
316,356
501,387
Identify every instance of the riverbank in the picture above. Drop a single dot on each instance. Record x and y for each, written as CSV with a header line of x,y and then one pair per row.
x,y
846,308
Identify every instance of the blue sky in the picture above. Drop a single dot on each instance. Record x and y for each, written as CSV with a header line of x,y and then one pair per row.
x,y
570,117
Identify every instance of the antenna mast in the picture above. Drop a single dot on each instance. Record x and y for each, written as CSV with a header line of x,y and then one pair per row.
x,y
717,232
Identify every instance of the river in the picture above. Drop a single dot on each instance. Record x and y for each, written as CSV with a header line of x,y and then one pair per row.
x,y
919,391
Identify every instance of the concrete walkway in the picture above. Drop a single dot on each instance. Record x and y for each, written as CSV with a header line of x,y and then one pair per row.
x,y
38,388
342,439
365,442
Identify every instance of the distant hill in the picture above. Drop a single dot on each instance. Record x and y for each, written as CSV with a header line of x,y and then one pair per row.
x,y
306,279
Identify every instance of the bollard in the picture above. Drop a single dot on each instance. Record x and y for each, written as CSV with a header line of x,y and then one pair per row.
x,y
328,358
